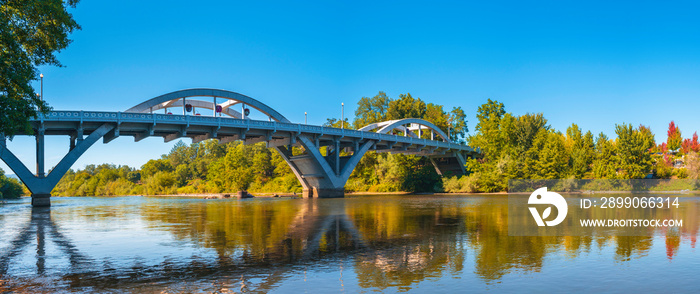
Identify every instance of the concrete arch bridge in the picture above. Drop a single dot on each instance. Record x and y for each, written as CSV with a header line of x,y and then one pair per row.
x,y
320,175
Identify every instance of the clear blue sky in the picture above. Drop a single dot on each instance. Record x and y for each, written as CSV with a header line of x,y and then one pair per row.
x,y
590,63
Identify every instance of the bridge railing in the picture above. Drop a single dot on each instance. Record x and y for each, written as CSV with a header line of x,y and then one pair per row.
x,y
130,117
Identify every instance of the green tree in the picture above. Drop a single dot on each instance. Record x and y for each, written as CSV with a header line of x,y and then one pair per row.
x,y
336,123
552,159
182,154
31,32
633,147
134,176
371,110
9,188
526,128
162,182
458,123
155,165
581,149
437,116
233,172
406,107
488,129
605,162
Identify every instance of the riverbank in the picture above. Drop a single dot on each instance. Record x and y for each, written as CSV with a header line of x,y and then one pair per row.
x,y
299,195
276,195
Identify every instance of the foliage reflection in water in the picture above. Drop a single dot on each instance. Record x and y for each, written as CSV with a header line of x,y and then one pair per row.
x,y
149,244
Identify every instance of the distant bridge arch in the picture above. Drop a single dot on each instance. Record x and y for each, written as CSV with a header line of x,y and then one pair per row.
x,y
410,126
320,175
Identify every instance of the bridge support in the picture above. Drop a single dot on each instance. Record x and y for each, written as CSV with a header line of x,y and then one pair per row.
x,y
39,184
324,192
41,200
452,165
323,176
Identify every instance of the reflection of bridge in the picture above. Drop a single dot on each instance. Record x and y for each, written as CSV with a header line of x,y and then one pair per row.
x,y
320,234
320,175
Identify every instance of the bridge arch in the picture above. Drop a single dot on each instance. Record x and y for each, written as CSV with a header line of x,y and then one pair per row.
x,y
315,172
174,99
416,124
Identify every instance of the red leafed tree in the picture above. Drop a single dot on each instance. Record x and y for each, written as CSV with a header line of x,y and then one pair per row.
x,y
674,137
663,148
691,144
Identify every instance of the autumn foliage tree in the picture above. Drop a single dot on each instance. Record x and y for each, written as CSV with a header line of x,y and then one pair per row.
x,y
674,137
691,145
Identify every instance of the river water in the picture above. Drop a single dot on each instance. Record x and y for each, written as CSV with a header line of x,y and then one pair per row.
x,y
358,244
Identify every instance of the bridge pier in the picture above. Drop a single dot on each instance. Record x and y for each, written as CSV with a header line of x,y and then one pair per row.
x,y
41,200
316,192
40,153
323,176
39,184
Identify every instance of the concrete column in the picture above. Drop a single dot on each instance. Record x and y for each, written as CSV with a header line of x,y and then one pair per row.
x,y
40,153
329,192
41,200
336,149
308,193
316,192
72,143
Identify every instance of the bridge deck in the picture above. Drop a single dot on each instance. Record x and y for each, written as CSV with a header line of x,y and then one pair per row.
x,y
198,128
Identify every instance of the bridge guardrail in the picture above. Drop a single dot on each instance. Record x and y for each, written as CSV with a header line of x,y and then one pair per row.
x,y
126,117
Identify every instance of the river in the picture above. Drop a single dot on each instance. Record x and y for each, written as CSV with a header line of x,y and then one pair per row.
x,y
359,244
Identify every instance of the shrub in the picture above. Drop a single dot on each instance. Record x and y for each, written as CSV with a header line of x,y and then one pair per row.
x,y
463,184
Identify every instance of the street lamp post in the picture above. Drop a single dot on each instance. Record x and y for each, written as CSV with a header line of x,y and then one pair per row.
x,y
449,130
42,86
305,118
342,115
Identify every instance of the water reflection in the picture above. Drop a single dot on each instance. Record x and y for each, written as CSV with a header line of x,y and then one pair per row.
x,y
39,225
39,230
181,245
